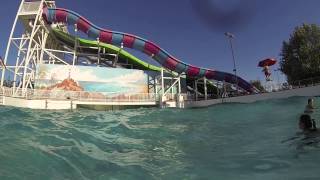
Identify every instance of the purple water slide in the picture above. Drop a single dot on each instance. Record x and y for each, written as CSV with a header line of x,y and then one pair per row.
x,y
59,15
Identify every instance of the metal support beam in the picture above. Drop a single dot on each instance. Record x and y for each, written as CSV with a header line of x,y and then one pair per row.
x,y
75,45
196,89
205,89
117,57
99,49
31,47
9,43
177,80
22,42
162,81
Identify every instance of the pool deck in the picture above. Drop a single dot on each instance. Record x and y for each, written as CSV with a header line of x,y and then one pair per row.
x,y
303,92
150,100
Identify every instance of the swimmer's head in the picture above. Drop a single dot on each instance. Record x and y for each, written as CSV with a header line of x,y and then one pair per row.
x,y
306,123
310,101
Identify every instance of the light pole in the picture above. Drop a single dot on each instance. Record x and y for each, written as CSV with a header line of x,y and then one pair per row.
x,y
231,37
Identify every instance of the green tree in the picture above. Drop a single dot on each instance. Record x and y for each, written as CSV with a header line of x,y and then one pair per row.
x,y
258,85
301,54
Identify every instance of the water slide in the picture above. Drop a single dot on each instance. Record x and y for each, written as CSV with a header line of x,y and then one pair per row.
x,y
59,15
69,40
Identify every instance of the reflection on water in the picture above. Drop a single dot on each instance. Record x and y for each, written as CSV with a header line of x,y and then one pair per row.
x,y
304,142
233,141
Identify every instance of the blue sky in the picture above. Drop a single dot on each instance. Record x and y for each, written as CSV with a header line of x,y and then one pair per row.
x,y
177,26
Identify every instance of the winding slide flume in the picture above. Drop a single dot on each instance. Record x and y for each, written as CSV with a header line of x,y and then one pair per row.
x,y
69,40
59,15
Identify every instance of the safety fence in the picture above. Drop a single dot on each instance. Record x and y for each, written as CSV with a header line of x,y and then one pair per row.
x,y
35,94
84,96
306,82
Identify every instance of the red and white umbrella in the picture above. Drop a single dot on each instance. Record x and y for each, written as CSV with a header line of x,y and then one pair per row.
x,y
267,62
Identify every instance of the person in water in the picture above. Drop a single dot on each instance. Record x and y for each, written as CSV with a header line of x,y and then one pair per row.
x,y
306,124
309,109
308,134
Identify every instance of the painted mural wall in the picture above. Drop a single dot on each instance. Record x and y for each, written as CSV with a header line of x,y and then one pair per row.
x,y
94,79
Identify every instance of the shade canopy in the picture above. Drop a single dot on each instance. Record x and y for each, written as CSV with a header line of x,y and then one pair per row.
x,y
267,62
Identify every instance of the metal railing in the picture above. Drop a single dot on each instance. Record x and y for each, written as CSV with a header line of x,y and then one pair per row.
x,y
30,7
306,82
35,94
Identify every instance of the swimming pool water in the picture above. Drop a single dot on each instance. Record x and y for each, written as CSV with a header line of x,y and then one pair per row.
x,y
223,142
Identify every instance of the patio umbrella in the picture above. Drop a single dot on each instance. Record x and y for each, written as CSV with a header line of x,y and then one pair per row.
x,y
267,62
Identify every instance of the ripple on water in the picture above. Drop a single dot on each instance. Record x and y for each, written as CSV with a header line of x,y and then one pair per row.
x,y
229,141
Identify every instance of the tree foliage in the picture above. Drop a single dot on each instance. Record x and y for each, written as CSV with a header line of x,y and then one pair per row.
x,y
301,54
258,85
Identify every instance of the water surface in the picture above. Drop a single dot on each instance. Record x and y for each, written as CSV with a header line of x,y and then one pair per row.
x,y
223,142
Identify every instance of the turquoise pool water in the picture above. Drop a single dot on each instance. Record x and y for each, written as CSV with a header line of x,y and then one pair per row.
x,y
223,142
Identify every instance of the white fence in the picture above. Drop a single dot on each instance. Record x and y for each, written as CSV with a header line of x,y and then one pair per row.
x,y
34,94
84,96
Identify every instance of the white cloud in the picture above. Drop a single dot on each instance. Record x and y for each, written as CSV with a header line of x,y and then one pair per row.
x,y
129,78
63,72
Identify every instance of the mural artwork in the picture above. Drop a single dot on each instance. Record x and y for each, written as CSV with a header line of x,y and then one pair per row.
x,y
94,81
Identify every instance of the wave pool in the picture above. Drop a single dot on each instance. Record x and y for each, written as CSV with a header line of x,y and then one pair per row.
x,y
223,142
